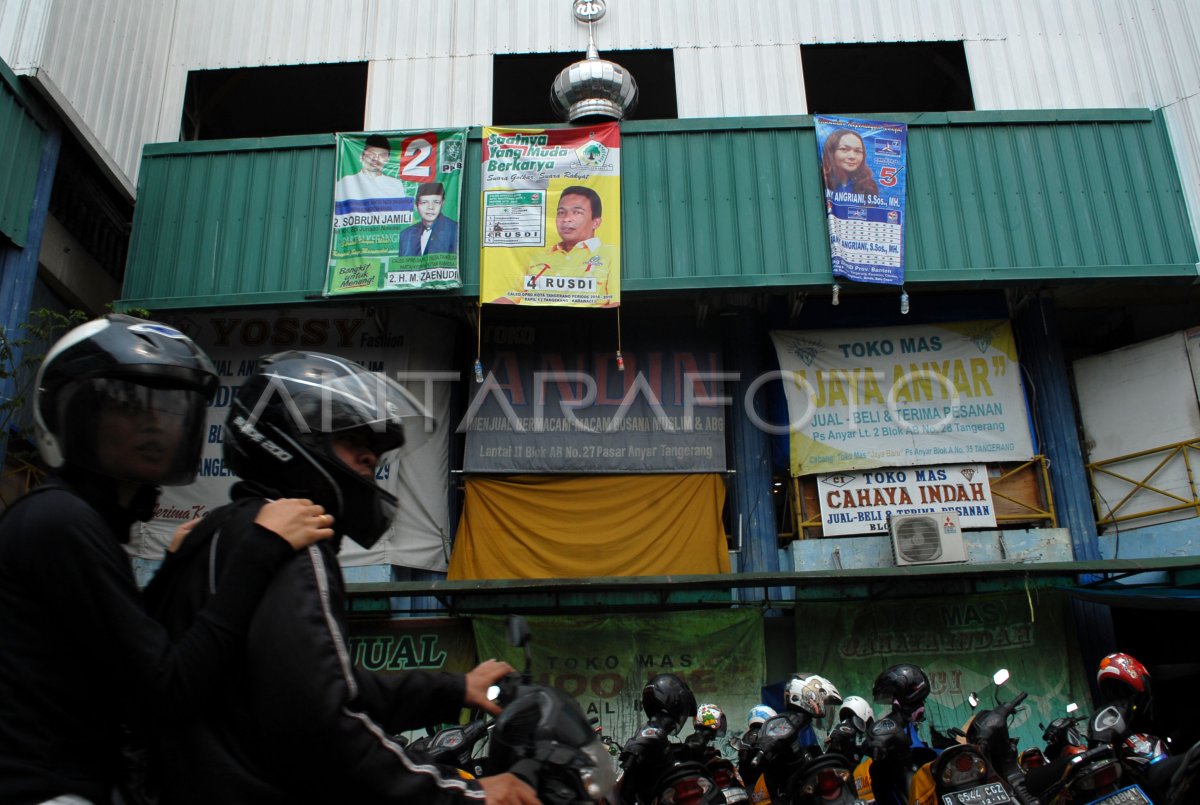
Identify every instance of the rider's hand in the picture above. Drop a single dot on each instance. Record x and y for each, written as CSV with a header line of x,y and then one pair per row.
x,y
508,789
181,534
482,677
299,521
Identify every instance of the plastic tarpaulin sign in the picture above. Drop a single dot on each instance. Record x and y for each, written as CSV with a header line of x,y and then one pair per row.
x,y
415,343
863,167
605,661
555,401
552,216
959,641
426,644
396,212
861,502
903,396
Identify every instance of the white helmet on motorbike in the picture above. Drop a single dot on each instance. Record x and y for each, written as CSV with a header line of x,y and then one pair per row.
x,y
811,693
759,715
857,707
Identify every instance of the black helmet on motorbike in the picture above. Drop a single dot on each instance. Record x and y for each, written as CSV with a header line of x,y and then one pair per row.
x,y
905,684
667,694
124,397
283,427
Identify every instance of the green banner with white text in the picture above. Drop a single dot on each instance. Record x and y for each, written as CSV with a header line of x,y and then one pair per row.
x,y
605,661
960,641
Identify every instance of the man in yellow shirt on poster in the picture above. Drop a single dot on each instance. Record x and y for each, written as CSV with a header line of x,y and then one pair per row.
x,y
579,253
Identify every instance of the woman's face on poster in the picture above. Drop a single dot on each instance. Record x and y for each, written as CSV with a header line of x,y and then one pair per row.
x,y
849,153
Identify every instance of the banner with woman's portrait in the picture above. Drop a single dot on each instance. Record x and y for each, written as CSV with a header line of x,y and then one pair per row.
x,y
863,168
552,216
396,212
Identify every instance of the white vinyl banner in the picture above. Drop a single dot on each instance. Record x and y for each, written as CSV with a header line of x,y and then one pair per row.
x,y
400,346
861,502
903,396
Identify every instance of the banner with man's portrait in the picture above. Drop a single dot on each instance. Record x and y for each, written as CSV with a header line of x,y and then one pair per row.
x,y
552,216
396,211
863,169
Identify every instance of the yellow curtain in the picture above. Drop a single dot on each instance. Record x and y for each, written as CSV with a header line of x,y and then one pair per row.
x,y
575,526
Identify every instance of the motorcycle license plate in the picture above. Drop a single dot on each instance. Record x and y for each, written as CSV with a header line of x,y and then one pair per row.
x,y
1130,795
987,794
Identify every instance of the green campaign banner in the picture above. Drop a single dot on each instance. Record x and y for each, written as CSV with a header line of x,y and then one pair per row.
x,y
396,211
426,644
605,661
960,641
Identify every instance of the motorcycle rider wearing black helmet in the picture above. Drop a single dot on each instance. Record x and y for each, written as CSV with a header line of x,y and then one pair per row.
x,y
668,703
300,723
119,410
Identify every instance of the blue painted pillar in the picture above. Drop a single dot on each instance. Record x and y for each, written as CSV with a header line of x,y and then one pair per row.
x,y
1035,321
19,266
751,459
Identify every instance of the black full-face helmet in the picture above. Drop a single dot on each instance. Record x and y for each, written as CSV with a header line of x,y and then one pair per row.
x,y
668,695
124,397
286,418
905,684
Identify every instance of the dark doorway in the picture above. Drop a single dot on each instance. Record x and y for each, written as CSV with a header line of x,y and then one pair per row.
x,y
274,101
521,84
887,77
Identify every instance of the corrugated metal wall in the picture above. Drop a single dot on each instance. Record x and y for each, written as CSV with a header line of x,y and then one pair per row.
x,y
123,63
20,154
233,219
1030,196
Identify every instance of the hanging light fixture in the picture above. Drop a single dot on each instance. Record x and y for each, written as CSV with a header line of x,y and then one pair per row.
x,y
595,88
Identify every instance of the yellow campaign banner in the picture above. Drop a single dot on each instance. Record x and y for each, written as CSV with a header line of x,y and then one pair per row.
x,y
551,216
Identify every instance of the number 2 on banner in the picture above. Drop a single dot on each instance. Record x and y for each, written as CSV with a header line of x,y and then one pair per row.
x,y
417,157
887,177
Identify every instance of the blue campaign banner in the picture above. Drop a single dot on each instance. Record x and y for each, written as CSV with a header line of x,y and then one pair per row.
x,y
863,165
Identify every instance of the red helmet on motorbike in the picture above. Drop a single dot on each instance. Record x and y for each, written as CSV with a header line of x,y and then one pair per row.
x,y
1122,677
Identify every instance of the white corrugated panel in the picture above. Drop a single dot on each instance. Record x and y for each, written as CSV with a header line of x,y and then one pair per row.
x,y
106,59
211,34
121,65
739,82
417,93
22,31
1183,124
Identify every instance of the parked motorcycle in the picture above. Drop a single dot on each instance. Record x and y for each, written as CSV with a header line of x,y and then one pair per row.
x,y
889,741
455,746
988,732
655,769
710,725
543,737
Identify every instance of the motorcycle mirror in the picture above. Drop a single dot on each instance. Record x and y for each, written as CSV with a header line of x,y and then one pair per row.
x,y
1000,677
519,635
518,631
1072,707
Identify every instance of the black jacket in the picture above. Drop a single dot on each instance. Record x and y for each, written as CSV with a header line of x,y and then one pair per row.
x,y
79,656
297,722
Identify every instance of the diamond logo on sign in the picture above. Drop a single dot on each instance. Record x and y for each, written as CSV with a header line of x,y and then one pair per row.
x,y
806,351
839,480
592,154
967,473
983,337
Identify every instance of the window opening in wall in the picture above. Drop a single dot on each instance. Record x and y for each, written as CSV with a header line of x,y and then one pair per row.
x,y
274,101
886,77
96,214
521,84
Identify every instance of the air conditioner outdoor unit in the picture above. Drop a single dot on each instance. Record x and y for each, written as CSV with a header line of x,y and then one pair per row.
x,y
926,539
